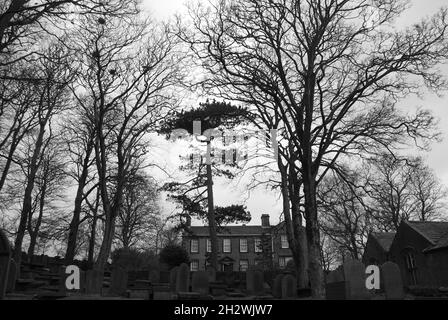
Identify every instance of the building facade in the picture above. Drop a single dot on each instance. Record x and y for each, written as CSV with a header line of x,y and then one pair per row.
x,y
420,248
239,246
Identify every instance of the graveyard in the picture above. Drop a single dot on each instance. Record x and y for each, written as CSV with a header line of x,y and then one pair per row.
x,y
48,278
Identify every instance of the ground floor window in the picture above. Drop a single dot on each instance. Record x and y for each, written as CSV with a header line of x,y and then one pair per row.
x,y
244,265
194,265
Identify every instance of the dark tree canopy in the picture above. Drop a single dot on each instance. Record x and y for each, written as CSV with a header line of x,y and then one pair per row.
x,y
174,255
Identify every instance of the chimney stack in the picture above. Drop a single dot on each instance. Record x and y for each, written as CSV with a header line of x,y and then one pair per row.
x,y
188,221
265,221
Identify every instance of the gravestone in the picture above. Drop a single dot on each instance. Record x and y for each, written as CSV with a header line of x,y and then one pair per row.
x,y
229,279
154,276
336,275
5,260
289,287
277,286
173,279
391,281
94,281
183,278
12,276
254,281
118,281
354,275
200,282
211,272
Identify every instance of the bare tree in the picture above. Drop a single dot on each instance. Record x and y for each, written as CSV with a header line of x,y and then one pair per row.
x,y
139,212
52,99
129,69
326,74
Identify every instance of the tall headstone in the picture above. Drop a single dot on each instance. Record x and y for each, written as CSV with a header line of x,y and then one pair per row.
x,y
94,282
12,276
154,276
354,275
200,282
118,281
183,278
5,260
173,279
391,281
277,286
211,272
254,281
289,287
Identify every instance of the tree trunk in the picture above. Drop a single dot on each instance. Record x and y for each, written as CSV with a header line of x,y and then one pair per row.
x,y
211,212
74,224
34,232
27,198
312,231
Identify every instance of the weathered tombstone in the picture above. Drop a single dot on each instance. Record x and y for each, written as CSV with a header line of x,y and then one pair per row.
x,y
118,281
200,282
5,260
154,276
336,275
94,283
12,276
254,281
354,275
211,272
391,281
229,279
289,287
335,287
183,278
277,286
173,279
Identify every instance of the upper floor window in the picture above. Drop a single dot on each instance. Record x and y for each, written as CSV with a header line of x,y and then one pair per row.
x,y
194,245
243,245
226,245
284,241
209,245
194,265
258,246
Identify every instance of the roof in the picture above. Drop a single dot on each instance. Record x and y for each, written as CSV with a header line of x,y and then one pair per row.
x,y
230,230
436,232
384,239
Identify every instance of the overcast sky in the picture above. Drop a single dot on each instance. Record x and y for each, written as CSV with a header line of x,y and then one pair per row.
x,y
263,201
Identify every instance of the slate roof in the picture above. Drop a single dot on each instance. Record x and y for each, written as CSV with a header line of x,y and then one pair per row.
x,y
230,230
435,232
384,239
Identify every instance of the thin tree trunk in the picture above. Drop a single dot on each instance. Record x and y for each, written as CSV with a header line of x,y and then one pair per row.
x,y
211,212
74,224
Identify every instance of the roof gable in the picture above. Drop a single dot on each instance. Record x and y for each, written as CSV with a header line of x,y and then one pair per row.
x,y
384,239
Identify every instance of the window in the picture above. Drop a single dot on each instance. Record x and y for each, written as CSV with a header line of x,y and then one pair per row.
x,y
226,246
243,245
244,265
281,262
258,246
411,266
194,245
209,245
284,241
194,265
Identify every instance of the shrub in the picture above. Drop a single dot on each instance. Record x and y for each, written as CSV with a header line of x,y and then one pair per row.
x,y
174,255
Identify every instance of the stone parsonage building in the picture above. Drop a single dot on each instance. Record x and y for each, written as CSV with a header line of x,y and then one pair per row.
x,y
239,246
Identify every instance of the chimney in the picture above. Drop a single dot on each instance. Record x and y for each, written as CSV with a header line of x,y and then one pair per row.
x,y
265,221
188,221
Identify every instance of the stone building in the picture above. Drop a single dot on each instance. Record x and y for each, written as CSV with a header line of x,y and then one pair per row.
x,y
239,246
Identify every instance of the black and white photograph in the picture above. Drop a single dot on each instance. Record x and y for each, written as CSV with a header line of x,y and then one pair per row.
x,y
222,158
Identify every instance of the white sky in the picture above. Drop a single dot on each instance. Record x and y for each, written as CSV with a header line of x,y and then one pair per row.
x,y
263,201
